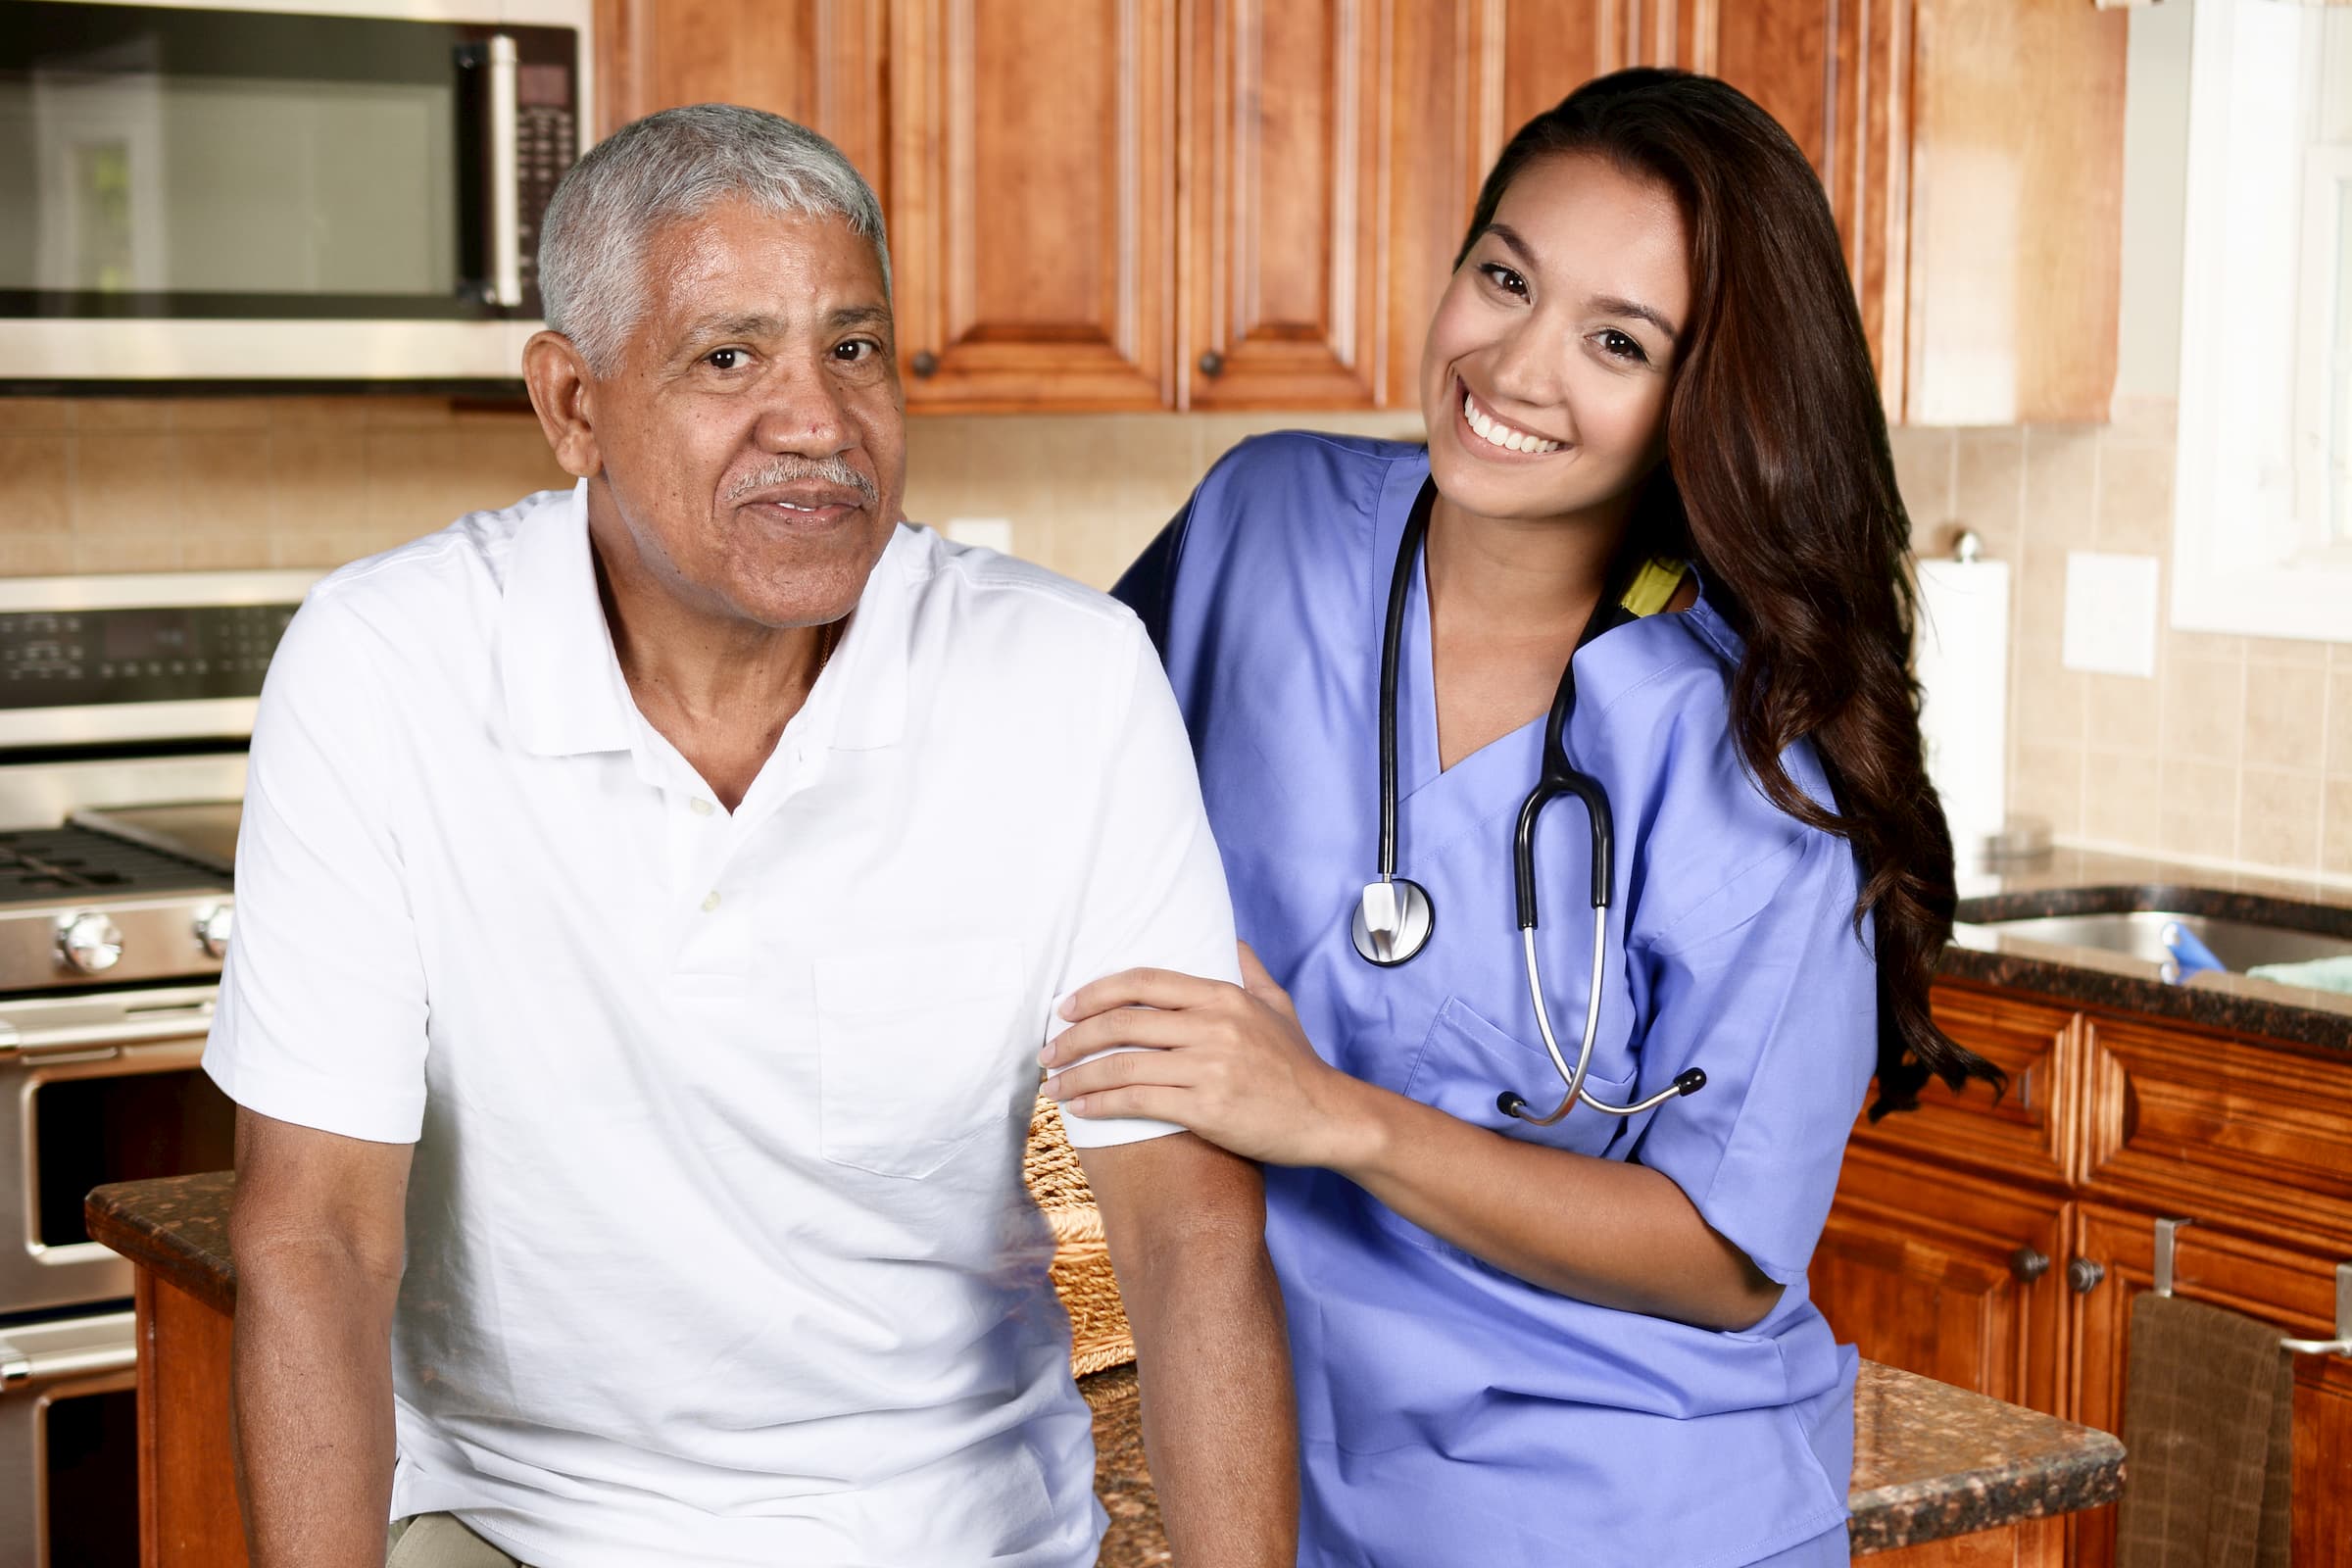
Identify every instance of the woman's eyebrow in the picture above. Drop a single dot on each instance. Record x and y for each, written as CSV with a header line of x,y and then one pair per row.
x,y
1603,304
1611,304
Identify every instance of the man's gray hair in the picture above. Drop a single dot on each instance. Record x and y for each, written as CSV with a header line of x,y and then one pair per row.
x,y
671,166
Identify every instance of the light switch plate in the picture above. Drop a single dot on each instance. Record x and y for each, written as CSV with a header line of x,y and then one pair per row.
x,y
989,533
2110,613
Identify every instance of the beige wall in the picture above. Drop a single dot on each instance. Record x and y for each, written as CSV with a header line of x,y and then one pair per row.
x,y
2240,751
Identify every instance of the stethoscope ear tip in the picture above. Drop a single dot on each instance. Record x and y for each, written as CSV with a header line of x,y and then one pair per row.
x,y
1689,1080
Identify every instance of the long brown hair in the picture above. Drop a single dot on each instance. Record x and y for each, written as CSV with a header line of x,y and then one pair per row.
x,y
1778,483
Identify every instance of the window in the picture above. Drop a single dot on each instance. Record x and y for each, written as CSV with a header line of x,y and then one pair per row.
x,y
2263,517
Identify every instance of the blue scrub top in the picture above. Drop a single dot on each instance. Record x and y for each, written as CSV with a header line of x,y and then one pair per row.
x,y
1450,1412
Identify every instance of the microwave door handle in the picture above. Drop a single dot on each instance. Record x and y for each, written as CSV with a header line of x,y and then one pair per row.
x,y
506,175
18,1366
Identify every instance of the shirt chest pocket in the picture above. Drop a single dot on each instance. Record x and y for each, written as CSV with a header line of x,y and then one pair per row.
x,y
1466,1062
920,1050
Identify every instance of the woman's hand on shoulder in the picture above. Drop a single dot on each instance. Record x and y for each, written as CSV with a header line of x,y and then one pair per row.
x,y
1229,1063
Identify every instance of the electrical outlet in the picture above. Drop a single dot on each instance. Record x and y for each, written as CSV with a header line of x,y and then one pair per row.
x,y
2110,613
989,533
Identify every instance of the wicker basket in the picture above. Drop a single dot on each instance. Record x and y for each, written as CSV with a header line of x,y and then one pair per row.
x,y
1082,1278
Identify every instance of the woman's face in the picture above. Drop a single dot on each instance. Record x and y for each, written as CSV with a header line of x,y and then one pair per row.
x,y
1544,382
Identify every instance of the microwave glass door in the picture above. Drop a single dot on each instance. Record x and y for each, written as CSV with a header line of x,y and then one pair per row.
x,y
241,165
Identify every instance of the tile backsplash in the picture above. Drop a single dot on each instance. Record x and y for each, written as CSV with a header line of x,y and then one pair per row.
x,y
2237,752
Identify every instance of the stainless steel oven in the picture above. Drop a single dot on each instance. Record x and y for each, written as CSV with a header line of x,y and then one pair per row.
x,y
125,706
280,190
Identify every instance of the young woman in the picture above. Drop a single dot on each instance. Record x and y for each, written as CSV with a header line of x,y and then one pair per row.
x,y
1655,445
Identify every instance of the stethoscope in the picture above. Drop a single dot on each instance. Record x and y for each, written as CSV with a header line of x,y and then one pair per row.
x,y
1394,918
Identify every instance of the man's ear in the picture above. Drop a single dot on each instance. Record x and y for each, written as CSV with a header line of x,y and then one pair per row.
x,y
562,395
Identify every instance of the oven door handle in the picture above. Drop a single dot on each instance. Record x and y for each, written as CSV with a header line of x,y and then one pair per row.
x,y
147,1028
19,1366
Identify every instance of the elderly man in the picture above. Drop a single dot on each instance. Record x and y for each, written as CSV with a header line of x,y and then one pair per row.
x,y
652,900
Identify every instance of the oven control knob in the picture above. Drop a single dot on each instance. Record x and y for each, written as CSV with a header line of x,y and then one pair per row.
x,y
212,928
90,943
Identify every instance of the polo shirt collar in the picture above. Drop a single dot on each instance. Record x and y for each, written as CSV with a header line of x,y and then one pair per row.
x,y
564,687
564,691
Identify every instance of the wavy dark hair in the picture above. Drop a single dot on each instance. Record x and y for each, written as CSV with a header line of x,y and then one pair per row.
x,y
1778,483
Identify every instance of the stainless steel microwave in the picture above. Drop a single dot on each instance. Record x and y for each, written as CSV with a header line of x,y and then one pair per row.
x,y
280,190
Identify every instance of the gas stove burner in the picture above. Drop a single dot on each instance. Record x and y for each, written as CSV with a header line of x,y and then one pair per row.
x,y
73,863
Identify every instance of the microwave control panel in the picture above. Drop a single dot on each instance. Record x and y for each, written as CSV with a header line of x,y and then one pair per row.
x,y
73,658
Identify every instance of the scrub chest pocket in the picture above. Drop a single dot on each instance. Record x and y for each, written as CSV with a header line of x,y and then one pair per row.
x,y
919,1051
1466,1061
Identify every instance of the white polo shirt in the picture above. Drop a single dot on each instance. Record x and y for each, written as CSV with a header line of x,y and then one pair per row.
x,y
719,1249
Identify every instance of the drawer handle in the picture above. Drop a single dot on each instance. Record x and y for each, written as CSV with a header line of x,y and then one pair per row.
x,y
2085,1275
2029,1265
925,364
1212,363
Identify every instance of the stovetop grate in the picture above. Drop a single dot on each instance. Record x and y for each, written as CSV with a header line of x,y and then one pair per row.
x,y
41,863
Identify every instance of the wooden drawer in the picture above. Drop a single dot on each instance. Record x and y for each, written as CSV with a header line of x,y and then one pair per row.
x,y
2183,1121
2025,1133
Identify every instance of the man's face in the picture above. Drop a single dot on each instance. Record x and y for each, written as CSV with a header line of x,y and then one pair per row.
x,y
753,437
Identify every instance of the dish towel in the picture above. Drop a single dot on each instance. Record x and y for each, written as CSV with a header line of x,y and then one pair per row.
x,y
2208,1417
2312,974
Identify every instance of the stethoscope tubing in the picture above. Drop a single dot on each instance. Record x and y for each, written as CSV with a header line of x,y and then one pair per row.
x,y
1559,777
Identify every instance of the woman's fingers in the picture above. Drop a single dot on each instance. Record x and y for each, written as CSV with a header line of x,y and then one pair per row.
x,y
1141,988
1159,1028
1145,1100
1119,1070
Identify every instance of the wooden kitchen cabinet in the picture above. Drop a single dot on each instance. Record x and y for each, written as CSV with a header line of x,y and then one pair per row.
x,y
1107,204
1286,164
817,62
1947,1275
1032,188
2292,1288
2112,1122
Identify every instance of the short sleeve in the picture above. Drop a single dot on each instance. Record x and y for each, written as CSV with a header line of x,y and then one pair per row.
x,y
1769,990
1153,893
321,1012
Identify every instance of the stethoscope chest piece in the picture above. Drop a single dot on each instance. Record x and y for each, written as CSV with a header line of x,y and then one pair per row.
x,y
1392,922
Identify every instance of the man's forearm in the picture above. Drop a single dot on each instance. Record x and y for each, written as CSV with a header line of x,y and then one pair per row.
x,y
1220,1421
313,1379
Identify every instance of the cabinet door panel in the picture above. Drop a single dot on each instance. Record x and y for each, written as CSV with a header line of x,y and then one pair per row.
x,y
2190,1122
1287,181
1032,189
2291,1288
1916,1267
1837,77
2023,1135
817,62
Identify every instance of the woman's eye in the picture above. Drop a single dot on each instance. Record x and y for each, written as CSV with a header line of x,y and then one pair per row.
x,y
1502,277
1617,345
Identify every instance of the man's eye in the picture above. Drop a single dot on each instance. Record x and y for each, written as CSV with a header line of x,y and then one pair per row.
x,y
1502,277
856,350
726,359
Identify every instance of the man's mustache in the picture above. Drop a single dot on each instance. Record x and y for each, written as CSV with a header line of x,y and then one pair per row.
x,y
800,470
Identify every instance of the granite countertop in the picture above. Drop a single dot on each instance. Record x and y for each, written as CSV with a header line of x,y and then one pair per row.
x,y
2084,882
1931,1460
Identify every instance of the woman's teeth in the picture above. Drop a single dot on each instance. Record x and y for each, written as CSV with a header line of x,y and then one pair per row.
x,y
1495,432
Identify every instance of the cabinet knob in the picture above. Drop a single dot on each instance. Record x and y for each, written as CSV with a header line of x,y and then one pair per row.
x,y
2085,1275
1212,363
2027,1265
924,364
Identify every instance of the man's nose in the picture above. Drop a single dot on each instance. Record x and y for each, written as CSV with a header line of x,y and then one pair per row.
x,y
803,414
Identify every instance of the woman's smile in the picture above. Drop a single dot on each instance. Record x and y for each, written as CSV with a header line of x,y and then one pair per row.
x,y
1496,438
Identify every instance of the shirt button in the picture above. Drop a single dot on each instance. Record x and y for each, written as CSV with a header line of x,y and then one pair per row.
x,y
711,902
699,806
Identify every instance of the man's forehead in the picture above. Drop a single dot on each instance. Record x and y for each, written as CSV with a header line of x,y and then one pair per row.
x,y
740,264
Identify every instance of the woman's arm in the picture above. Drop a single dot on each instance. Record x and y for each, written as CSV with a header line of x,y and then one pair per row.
x,y
1234,1067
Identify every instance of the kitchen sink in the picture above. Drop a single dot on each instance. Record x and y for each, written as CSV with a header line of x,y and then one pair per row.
x,y
2139,933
